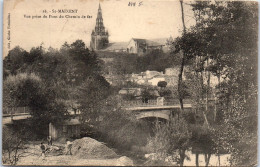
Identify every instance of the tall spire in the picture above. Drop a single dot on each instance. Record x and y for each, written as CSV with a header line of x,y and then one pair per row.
x,y
99,36
99,28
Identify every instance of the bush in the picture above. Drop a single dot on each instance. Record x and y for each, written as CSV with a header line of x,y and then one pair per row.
x,y
162,84
13,145
171,139
122,130
165,93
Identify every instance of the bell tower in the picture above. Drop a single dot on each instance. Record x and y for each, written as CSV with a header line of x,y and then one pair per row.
x,y
99,36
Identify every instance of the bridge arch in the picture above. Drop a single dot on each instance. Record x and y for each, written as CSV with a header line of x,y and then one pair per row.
x,y
156,114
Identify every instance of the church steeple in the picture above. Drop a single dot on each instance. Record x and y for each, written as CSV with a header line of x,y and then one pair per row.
x,y
99,16
99,28
99,36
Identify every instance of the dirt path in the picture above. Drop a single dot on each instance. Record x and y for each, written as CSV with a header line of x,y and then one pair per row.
x,y
67,160
32,156
85,152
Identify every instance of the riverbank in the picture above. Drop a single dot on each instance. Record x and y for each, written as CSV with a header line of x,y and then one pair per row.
x,y
68,160
85,151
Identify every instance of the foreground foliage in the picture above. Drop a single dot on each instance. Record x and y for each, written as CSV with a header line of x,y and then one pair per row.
x,y
223,44
52,82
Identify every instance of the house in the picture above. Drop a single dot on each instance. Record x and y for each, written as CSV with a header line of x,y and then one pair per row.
x,y
131,91
153,77
139,46
150,74
142,46
68,129
141,81
172,71
147,78
154,81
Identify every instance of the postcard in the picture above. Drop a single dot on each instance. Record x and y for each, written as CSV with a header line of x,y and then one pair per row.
x,y
130,83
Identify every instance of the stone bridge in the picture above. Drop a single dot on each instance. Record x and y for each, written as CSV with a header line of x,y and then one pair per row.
x,y
145,111
163,112
9,118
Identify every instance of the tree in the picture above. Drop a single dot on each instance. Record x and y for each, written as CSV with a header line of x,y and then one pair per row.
x,y
15,60
120,128
165,93
162,84
90,96
148,94
28,90
202,142
210,43
182,60
61,72
84,61
13,145
172,139
20,89
125,63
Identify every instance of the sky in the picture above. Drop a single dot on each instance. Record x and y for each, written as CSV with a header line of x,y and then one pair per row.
x,y
152,19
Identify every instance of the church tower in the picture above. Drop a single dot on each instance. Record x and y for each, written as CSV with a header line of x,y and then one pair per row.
x,y
99,36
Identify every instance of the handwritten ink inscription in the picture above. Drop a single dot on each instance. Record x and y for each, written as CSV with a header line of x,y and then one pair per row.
x,y
133,4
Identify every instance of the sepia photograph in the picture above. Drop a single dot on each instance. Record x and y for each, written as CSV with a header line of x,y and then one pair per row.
x,y
130,83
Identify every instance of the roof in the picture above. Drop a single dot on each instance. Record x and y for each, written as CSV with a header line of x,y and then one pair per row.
x,y
116,46
142,41
152,43
71,122
147,42
159,76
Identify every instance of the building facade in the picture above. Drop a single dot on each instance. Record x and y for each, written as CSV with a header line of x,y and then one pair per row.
x,y
142,46
99,36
